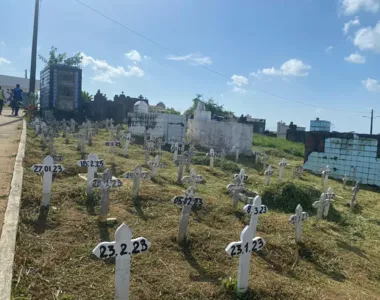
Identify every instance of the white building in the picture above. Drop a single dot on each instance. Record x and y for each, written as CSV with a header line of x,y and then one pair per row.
x,y
282,128
320,125
208,133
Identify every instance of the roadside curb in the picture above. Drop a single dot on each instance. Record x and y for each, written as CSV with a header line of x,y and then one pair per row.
x,y
11,218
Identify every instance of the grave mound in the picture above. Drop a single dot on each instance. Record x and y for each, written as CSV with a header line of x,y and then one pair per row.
x,y
285,196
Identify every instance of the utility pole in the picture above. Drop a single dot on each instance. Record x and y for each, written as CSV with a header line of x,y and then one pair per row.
x,y
32,80
372,117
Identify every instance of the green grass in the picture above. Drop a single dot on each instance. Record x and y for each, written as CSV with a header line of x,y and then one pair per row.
x,y
277,145
339,259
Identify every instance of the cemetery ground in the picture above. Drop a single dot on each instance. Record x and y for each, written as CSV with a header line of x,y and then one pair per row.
x,y
339,259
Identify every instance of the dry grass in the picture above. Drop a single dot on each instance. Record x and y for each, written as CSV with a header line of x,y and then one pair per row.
x,y
338,260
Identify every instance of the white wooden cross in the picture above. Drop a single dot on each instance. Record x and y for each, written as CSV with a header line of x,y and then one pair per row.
x,y
353,176
241,176
265,160
122,249
297,220
325,177
256,154
128,140
255,209
355,190
323,205
248,243
282,164
48,167
136,175
212,155
149,148
180,162
344,179
192,151
92,164
235,189
193,178
298,172
159,142
105,184
154,165
175,148
72,125
268,174
187,202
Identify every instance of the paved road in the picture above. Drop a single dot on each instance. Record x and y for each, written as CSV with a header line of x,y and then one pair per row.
x,y
10,131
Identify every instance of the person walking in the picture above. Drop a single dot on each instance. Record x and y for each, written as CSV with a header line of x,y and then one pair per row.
x,y
2,98
17,96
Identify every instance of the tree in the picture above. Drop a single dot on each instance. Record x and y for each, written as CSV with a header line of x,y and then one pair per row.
x,y
171,110
87,97
210,105
61,58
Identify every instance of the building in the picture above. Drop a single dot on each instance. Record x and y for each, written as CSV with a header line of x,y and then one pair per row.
x,y
320,125
258,124
61,88
8,83
208,133
282,129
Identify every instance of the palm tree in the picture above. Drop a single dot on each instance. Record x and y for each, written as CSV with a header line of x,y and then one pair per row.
x,y
87,97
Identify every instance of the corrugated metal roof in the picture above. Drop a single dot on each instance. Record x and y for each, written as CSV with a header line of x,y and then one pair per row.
x,y
8,82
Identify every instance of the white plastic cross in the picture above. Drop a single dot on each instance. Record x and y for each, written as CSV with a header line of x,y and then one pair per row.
x,y
92,164
48,167
268,174
282,164
297,220
136,175
122,249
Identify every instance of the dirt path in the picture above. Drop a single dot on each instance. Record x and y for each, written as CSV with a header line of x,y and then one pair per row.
x,y
10,130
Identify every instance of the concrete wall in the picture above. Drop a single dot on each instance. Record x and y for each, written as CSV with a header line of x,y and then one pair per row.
x,y
214,134
159,125
343,152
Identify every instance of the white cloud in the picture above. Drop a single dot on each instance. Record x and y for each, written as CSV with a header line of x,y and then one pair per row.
x,y
105,72
371,85
133,55
147,57
238,80
328,49
292,67
197,57
239,90
256,74
355,58
368,38
4,61
349,24
350,7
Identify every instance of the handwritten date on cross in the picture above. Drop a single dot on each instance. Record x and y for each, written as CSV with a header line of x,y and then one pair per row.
x,y
296,219
91,163
239,248
131,175
251,209
193,201
113,144
108,183
39,168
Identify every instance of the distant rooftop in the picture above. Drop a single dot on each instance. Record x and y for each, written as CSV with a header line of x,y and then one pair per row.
x,y
9,82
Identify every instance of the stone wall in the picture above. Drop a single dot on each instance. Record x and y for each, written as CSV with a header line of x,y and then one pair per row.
x,y
118,109
344,153
214,134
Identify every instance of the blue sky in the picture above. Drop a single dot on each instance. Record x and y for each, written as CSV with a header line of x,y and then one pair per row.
x,y
324,53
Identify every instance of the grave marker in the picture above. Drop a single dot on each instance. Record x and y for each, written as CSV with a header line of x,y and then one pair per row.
x,y
325,178
247,244
182,160
48,167
212,155
149,148
344,179
237,150
255,209
241,176
235,188
265,160
353,176
105,184
323,205
175,148
122,249
128,140
222,157
192,151
282,164
187,202
298,172
154,165
355,190
268,174
136,175
297,220
193,178
92,164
